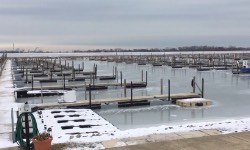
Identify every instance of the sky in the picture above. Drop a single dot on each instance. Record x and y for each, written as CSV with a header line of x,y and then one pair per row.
x,y
60,25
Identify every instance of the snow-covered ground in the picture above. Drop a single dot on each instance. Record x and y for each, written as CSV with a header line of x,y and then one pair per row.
x,y
94,134
106,131
7,101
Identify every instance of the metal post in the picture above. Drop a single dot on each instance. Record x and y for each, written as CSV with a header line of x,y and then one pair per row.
x,y
32,82
50,74
161,86
12,125
89,95
26,75
27,131
79,67
168,89
121,78
202,88
116,74
63,81
193,84
142,75
41,93
125,89
131,96
85,90
95,71
93,79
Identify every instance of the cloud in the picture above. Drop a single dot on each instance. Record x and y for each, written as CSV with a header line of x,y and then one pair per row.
x,y
125,23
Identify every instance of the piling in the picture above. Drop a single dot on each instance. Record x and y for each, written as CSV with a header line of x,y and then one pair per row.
x,y
32,82
193,84
85,90
89,95
161,86
202,88
131,96
121,78
125,89
116,74
142,75
95,71
63,81
26,80
168,89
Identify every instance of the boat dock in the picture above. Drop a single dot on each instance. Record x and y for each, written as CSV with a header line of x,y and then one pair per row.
x,y
83,103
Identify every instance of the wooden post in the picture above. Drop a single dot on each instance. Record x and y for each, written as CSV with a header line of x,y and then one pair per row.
x,y
168,89
146,77
90,96
193,84
131,96
202,88
121,78
32,82
125,89
161,86
82,66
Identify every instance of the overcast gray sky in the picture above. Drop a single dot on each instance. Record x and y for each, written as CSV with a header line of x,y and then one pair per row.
x,y
90,24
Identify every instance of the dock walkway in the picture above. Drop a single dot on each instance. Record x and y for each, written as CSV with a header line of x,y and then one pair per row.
x,y
122,99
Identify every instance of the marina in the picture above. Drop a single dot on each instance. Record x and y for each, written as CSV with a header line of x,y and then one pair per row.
x,y
166,94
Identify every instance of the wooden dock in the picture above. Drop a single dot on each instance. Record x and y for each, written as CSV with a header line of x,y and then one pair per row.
x,y
122,99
